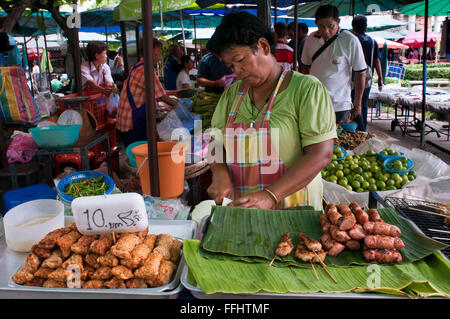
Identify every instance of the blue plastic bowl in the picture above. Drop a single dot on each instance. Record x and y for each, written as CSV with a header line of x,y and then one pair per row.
x,y
385,157
56,136
402,172
130,154
79,176
349,127
343,151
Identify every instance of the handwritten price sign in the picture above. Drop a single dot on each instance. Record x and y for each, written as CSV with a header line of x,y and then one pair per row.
x,y
117,213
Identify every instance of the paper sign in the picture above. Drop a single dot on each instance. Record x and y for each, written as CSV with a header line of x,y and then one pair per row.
x,y
104,214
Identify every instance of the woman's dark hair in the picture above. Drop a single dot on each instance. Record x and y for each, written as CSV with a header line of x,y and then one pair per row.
x,y
93,48
359,24
240,28
280,30
327,11
181,63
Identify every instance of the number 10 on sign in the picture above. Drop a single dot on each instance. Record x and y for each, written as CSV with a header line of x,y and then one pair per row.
x,y
112,213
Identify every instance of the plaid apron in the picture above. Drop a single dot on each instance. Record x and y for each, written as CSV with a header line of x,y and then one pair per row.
x,y
252,160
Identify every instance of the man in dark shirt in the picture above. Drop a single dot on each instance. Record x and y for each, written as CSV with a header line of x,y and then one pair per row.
x,y
210,72
302,35
170,76
372,57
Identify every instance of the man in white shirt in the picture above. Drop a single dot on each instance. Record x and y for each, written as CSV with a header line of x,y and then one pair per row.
x,y
333,64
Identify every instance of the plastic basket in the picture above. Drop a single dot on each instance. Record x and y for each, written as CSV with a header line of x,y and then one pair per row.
x,y
79,176
343,151
402,172
385,157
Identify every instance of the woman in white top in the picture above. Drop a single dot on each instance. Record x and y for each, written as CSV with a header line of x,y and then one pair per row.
x,y
185,64
95,73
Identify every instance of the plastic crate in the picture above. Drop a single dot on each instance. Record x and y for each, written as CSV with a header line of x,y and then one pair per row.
x,y
26,194
96,105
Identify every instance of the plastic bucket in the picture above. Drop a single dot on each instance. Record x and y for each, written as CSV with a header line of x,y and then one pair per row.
x,y
171,161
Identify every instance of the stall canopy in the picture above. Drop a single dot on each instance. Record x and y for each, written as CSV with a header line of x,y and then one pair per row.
x,y
374,23
390,44
99,20
435,8
389,35
352,7
34,24
416,39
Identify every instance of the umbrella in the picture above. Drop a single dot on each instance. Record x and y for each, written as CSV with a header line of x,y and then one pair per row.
x,y
390,44
435,8
131,10
352,7
384,61
374,23
44,62
393,36
24,58
416,39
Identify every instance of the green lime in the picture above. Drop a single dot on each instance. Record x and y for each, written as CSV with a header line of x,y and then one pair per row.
x,y
356,184
365,185
374,169
339,167
365,175
343,181
339,174
354,166
372,188
390,182
371,153
360,190
413,173
380,184
359,170
347,171
391,188
334,156
372,181
384,152
349,187
411,178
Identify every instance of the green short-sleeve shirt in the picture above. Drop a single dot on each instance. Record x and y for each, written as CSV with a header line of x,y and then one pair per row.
x,y
303,114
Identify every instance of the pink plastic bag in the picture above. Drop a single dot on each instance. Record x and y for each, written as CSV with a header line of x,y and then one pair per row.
x,y
21,149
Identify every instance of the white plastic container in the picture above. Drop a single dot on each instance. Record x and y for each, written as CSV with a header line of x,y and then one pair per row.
x,y
27,223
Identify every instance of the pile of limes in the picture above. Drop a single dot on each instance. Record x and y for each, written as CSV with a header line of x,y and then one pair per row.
x,y
365,173
338,153
388,151
398,165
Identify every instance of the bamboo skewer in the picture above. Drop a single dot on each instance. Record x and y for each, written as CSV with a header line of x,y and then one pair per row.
x,y
271,262
315,272
439,231
427,212
324,267
337,199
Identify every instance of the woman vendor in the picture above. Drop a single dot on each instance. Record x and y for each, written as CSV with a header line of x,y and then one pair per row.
x,y
284,114
95,73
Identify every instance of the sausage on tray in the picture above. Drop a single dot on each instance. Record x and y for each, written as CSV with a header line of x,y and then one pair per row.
x,y
383,242
339,235
361,216
333,214
357,232
333,247
382,228
347,221
353,245
374,216
383,255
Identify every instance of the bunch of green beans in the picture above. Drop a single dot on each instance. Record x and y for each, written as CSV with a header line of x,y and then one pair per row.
x,y
87,187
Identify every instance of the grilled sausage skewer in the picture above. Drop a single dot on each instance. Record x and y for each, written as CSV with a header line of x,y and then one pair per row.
x,y
284,247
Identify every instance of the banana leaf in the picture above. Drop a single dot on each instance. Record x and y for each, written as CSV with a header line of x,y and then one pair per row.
x,y
425,278
252,236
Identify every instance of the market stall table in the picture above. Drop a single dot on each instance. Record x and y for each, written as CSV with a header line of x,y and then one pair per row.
x,y
408,100
80,147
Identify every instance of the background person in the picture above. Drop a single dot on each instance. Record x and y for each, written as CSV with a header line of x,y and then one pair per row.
x,y
372,57
331,54
302,34
294,107
284,54
131,113
95,73
211,69
170,75
184,66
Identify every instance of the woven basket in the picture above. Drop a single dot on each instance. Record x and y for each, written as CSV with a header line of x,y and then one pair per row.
x,y
196,169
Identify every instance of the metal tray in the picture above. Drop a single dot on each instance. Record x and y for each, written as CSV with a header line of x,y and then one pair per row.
x,y
200,294
11,261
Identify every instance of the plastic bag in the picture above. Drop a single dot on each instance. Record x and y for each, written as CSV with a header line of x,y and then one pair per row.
x,y
429,169
113,104
46,103
179,122
159,208
228,79
22,148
